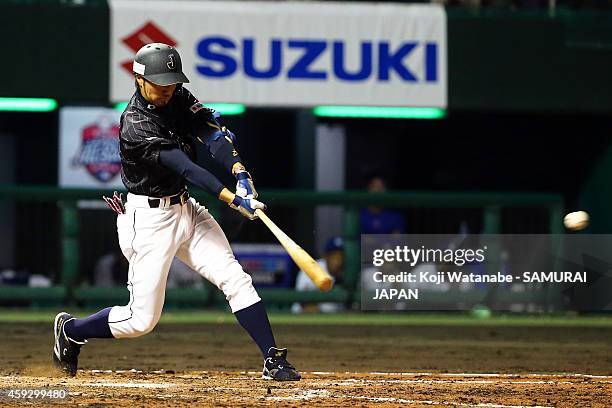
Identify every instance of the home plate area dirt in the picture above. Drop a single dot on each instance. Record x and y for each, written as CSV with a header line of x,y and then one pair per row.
x,y
325,389
342,365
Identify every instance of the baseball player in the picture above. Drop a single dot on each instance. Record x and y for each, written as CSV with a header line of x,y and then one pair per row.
x,y
159,130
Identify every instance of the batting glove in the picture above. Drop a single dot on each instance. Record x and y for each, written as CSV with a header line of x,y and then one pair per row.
x,y
244,186
247,206
115,203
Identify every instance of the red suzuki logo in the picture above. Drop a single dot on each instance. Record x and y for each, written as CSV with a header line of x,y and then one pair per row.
x,y
148,33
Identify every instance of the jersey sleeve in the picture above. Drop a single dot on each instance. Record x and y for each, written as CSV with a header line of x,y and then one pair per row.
x,y
202,120
178,161
141,139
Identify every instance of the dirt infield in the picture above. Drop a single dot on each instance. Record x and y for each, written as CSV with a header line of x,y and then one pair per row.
x,y
217,365
325,389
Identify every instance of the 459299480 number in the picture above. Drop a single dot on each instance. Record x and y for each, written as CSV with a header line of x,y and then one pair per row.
x,y
34,393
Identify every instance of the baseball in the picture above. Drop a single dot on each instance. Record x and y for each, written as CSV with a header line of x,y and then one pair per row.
x,y
576,221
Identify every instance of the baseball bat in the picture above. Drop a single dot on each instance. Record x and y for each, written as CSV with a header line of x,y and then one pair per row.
x,y
302,259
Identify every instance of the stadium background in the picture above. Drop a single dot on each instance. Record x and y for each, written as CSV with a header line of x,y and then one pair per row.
x,y
528,121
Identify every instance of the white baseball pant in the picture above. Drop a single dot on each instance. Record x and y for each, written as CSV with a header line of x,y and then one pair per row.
x,y
150,238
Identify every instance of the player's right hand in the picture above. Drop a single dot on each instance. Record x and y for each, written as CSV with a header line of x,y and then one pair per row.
x,y
247,206
244,185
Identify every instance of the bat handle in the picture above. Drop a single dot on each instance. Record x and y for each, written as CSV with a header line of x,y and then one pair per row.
x,y
259,212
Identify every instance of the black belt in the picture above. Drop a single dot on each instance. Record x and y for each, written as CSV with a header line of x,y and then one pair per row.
x,y
177,199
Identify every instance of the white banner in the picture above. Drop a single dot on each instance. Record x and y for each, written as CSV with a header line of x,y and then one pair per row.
x,y
89,148
290,54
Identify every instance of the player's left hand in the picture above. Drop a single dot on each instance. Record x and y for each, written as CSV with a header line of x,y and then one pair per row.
x,y
244,185
247,206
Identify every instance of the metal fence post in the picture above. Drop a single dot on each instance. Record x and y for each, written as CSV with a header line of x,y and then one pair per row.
x,y
304,165
70,247
554,300
555,224
492,220
492,226
351,249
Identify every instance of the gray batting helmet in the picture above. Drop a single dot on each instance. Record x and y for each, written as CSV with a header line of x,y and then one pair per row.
x,y
159,63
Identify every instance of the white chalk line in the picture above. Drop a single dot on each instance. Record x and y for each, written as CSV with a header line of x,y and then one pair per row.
x,y
207,389
322,393
487,374
127,385
353,381
303,395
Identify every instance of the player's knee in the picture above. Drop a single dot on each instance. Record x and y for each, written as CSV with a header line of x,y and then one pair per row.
x,y
238,281
143,324
239,291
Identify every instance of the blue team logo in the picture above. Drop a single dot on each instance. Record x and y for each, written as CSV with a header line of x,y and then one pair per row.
x,y
99,152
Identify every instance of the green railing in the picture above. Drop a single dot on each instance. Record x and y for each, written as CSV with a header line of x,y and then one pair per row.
x,y
491,203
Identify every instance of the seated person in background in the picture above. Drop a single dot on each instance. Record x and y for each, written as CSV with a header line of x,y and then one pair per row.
x,y
111,270
376,219
333,263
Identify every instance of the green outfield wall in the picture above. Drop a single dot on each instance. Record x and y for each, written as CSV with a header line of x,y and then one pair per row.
x,y
68,290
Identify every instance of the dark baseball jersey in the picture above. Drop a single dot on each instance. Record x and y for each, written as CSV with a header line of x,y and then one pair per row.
x,y
146,129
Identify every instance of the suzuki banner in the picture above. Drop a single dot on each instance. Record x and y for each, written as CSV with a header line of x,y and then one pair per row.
x,y
89,148
290,53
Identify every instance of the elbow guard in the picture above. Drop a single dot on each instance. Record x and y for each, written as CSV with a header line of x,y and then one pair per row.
x,y
222,149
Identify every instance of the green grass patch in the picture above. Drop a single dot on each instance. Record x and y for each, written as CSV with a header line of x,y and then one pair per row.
x,y
356,318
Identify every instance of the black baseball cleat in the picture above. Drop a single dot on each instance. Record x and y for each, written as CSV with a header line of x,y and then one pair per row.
x,y
276,367
65,350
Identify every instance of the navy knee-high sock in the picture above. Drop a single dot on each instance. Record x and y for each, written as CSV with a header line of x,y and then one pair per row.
x,y
94,326
255,321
